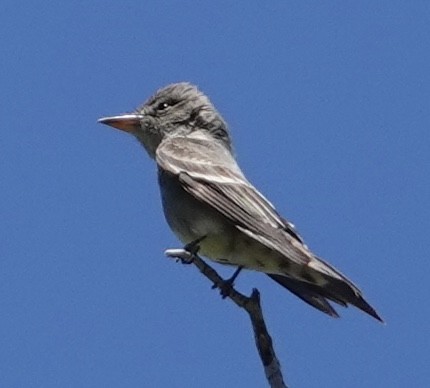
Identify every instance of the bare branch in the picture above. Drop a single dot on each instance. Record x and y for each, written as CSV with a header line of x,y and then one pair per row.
x,y
263,341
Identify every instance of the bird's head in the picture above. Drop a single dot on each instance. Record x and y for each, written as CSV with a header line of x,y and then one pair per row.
x,y
176,110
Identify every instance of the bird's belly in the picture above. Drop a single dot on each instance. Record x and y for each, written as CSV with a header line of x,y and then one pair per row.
x,y
190,225
224,243
191,219
249,253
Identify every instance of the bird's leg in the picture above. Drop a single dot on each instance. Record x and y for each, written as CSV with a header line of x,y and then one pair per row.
x,y
186,254
226,286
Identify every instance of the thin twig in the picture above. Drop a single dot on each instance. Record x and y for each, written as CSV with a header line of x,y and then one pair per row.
x,y
263,341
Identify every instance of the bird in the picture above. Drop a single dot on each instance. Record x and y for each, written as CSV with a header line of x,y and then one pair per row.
x,y
208,201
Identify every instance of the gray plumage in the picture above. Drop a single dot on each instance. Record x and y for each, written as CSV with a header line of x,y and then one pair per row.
x,y
205,193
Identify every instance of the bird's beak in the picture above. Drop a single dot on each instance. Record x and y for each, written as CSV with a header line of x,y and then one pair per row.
x,y
129,122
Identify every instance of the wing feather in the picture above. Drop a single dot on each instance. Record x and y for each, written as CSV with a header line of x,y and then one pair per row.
x,y
209,173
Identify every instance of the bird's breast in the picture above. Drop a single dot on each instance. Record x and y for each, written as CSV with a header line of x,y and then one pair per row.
x,y
189,218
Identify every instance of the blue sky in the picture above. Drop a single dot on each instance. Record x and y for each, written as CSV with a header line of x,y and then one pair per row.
x,y
329,107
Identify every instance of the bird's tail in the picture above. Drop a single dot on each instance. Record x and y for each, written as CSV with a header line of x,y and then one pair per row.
x,y
305,293
336,288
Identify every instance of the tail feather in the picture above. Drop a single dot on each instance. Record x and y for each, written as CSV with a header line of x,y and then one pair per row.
x,y
301,290
340,291
351,295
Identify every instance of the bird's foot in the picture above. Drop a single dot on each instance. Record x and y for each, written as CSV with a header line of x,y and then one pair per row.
x,y
226,286
186,254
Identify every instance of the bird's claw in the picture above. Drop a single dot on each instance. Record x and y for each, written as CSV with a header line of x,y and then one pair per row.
x,y
225,287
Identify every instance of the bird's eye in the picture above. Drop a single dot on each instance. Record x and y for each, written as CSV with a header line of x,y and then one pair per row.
x,y
163,105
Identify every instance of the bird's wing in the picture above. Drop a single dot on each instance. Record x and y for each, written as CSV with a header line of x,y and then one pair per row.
x,y
207,171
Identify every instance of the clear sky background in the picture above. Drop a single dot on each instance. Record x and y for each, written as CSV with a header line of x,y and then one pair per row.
x,y
329,108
